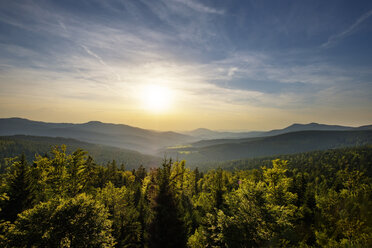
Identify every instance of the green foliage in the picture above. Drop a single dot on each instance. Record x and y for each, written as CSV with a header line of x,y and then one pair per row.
x,y
251,221
255,214
15,190
76,222
123,213
278,197
318,199
167,228
346,212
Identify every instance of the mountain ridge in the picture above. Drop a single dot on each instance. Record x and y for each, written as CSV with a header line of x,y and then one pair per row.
x,y
118,135
144,140
208,134
11,146
287,143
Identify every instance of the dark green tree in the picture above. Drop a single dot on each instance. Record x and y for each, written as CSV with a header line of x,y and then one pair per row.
x,y
166,228
17,190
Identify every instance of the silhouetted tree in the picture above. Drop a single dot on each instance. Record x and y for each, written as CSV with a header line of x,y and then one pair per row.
x,y
167,228
17,189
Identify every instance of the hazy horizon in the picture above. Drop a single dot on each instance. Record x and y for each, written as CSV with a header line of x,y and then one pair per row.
x,y
188,130
185,64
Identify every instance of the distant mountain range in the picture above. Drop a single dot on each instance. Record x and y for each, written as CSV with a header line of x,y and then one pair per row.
x,y
118,135
206,134
287,143
199,145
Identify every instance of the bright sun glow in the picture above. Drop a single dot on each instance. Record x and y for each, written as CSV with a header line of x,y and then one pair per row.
x,y
156,98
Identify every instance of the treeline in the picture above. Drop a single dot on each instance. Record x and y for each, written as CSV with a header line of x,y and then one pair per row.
x,y
66,200
359,158
11,146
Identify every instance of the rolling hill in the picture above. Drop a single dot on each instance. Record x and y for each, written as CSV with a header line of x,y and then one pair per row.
x,y
288,143
117,135
289,129
11,146
123,140
307,127
352,157
207,134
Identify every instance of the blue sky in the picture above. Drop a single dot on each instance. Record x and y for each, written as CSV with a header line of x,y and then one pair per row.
x,y
239,65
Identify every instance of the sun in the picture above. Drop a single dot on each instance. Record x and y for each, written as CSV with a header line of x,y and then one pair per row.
x,y
156,98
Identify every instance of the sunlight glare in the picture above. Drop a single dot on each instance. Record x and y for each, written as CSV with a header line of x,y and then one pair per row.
x,y
156,98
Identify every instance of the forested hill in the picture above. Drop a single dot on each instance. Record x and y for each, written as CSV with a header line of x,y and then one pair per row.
x,y
359,157
289,143
11,146
117,135
206,134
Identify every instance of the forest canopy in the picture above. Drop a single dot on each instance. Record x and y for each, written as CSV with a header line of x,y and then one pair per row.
x,y
307,200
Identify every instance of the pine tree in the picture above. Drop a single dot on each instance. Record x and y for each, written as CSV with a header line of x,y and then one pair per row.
x,y
17,190
167,228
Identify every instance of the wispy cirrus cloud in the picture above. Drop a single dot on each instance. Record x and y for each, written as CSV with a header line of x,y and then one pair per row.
x,y
200,7
349,31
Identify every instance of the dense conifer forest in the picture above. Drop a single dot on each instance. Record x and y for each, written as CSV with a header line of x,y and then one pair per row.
x,y
318,199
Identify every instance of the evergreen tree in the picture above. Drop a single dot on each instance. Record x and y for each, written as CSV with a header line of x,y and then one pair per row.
x,y
166,228
17,190
123,213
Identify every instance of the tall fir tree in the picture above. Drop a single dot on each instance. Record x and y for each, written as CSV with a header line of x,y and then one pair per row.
x,y
17,190
167,228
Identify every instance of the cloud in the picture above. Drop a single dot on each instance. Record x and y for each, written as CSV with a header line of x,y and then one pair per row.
x,y
200,7
62,25
94,55
106,60
232,71
337,37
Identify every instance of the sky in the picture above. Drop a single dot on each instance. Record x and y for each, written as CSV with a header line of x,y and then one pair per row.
x,y
186,64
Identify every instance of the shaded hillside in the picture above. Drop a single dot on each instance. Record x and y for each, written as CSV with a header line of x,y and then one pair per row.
x,y
11,146
359,158
118,135
206,134
307,127
205,143
275,145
